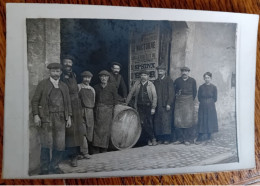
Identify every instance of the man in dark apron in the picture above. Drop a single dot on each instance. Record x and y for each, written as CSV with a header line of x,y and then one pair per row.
x,y
87,98
185,91
73,134
51,109
106,99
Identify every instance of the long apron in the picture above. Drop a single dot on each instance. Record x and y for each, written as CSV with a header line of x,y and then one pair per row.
x,y
184,111
102,127
52,134
88,116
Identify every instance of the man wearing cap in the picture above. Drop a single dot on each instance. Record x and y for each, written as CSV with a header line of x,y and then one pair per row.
x,y
106,99
165,97
185,91
145,103
74,137
118,80
87,97
51,109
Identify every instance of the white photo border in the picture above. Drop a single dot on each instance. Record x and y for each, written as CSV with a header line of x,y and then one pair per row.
x,y
16,132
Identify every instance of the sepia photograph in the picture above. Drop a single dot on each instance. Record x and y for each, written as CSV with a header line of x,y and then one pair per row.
x,y
117,95
140,92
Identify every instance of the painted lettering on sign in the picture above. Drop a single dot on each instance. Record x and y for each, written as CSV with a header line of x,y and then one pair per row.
x,y
144,54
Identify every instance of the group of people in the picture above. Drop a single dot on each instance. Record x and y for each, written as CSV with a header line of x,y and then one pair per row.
x,y
76,118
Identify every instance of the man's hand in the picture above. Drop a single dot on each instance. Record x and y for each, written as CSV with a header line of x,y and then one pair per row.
x,y
37,120
68,123
168,107
152,111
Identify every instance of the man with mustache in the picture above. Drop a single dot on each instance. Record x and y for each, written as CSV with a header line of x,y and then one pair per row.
x,y
74,137
118,81
145,103
185,91
165,97
51,109
106,99
87,97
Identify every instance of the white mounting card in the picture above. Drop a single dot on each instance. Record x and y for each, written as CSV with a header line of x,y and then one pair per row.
x,y
140,39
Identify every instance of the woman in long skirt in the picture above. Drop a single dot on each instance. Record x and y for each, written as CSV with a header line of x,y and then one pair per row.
x,y
207,116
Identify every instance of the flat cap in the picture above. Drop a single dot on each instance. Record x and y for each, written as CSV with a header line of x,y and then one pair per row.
x,y
185,69
86,73
162,66
67,56
144,72
116,63
104,72
54,66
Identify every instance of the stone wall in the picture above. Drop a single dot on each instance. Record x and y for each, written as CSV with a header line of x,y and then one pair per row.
x,y
43,47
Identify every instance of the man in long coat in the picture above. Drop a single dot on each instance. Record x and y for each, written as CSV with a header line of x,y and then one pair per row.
x,y
51,109
73,134
185,91
87,98
118,81
106,99
165,97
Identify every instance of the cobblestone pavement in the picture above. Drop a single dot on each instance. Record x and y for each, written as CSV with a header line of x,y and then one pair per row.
x,y
219,149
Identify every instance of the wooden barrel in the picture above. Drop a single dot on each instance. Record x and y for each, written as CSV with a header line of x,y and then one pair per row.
x,y
126,128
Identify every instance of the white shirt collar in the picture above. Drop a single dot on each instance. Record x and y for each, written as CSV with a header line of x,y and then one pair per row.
x,y
55,82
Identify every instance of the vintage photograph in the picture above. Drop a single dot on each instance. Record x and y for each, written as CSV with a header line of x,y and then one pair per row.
x,y
122,95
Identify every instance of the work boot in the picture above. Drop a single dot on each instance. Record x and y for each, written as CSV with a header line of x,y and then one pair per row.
x,y
176,143
150,143
56,170
74,161
44,161
166,142
154,142
187,143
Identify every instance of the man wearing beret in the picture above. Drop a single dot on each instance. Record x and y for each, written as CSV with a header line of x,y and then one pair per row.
x,y
51,108
106,99
165,97
87,98
74,137
118,80
145,103
185,91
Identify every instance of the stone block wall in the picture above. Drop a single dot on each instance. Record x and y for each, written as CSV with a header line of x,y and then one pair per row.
x,y
43,47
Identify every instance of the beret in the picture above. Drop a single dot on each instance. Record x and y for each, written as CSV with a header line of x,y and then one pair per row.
x,y
67,56
116,63
144,72
162,66
86,73
185,69
54,66
104,72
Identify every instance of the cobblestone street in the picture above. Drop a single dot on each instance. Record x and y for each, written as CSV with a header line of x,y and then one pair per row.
x,y
221,149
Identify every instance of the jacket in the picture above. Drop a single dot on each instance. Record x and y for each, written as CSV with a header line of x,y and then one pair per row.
x,y
40,100
135,91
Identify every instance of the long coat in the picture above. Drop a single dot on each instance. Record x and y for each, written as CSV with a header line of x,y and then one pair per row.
x,y
165,96
207,116
74,136
51,136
